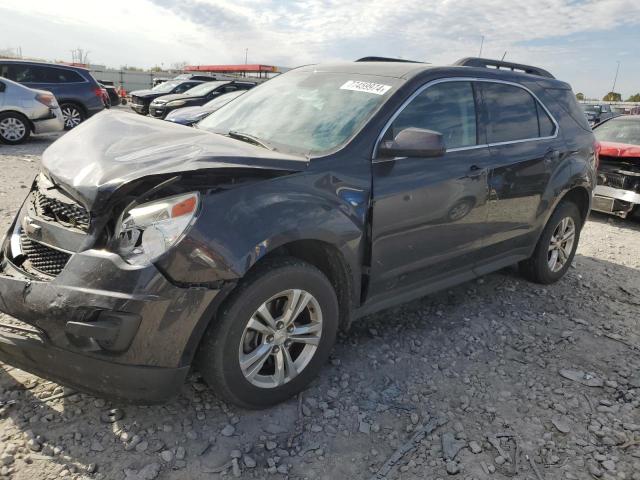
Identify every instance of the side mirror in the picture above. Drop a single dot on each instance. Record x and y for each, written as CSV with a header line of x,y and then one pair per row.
x,y
414,142
2,87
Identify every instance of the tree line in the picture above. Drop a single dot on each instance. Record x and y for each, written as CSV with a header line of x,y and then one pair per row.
x,y
613,97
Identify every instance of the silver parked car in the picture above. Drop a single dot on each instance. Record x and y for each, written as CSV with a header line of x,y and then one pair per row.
x,y
24,111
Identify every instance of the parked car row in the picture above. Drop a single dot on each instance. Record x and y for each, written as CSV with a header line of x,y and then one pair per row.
x,y
179,93
78,94
597,113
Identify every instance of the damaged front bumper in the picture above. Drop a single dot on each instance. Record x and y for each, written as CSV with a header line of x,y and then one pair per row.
x,y
614,200
102,325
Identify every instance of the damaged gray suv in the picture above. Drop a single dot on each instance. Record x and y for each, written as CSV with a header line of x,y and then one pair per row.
x,y
242,246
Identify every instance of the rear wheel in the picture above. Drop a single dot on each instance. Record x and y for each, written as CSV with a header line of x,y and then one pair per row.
x,y
73,115
556,247
272,336
14,128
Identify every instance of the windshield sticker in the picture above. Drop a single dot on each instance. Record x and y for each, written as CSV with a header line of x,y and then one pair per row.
x,y
367,87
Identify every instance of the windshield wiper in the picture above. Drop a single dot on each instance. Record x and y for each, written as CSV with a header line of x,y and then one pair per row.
x,y
245,137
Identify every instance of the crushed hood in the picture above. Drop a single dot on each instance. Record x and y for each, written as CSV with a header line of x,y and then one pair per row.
x,y
114,148
622,150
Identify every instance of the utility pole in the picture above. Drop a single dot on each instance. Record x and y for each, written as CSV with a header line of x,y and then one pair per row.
x,y
481,45
615,79
246,52
505,54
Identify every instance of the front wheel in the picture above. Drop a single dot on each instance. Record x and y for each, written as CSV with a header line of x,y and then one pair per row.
x,y
72,115
556,247
14,128
272,336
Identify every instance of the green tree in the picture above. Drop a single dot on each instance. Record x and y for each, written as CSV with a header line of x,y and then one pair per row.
x,y
155,69
634,98
612,97
580,96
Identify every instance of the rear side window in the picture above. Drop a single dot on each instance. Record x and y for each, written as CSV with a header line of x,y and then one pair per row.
x,y
547,127
448,108
512,113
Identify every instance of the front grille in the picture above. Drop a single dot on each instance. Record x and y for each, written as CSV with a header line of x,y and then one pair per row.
x,y
42,258
57,210
615,180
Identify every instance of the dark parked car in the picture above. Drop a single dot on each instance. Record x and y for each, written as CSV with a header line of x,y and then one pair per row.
x,y
140,99
596,113
195,76
196,96
112,91
323,195
618,190
191,115
77,92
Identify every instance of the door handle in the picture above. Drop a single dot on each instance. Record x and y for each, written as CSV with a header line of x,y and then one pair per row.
x,y
475,172
551,155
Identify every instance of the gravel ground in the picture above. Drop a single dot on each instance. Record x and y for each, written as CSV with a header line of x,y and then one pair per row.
x,y
497,378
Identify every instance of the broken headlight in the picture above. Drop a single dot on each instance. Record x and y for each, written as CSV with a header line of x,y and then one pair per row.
x,y
148,230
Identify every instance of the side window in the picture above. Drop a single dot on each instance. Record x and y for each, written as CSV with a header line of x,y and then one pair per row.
x,y
547,127
229,88
183,87
62,75
18,72
448,108
512,113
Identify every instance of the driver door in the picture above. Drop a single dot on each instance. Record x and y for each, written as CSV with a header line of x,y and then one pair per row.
x,y
429,214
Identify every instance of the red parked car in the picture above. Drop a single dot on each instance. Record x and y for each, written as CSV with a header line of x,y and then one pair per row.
x,y
618,189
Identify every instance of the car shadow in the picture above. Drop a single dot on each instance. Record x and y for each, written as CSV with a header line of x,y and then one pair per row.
x,y
393,362
632,222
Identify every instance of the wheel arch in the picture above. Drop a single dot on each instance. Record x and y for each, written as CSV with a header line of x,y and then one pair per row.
x,y
32,127
580,196
327,258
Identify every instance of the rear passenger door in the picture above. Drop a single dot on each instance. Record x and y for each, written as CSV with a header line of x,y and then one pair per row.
x,y
525,150
429,214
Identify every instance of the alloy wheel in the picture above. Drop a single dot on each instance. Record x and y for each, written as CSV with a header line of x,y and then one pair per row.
x,y
561,244
12,129
280,338
72,116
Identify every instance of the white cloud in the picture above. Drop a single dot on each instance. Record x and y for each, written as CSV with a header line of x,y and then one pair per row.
x,y
149,32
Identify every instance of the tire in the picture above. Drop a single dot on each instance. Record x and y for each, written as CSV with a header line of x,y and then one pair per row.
x,y
14,128
231,339
540,267
73,115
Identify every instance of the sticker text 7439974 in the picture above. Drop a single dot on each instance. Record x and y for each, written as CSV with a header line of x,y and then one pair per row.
x,y
367,87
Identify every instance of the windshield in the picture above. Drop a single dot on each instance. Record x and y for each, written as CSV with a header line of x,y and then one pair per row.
x,y
217,102
304,111
203,89
591,108
619,130
165,87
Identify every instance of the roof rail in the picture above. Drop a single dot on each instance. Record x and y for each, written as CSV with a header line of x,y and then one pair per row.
x,y
385,59
502,65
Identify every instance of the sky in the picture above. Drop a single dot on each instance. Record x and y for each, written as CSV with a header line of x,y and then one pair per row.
x,y
579,41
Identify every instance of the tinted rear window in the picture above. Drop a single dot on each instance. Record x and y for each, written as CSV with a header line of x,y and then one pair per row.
x,y
512,113
38,74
